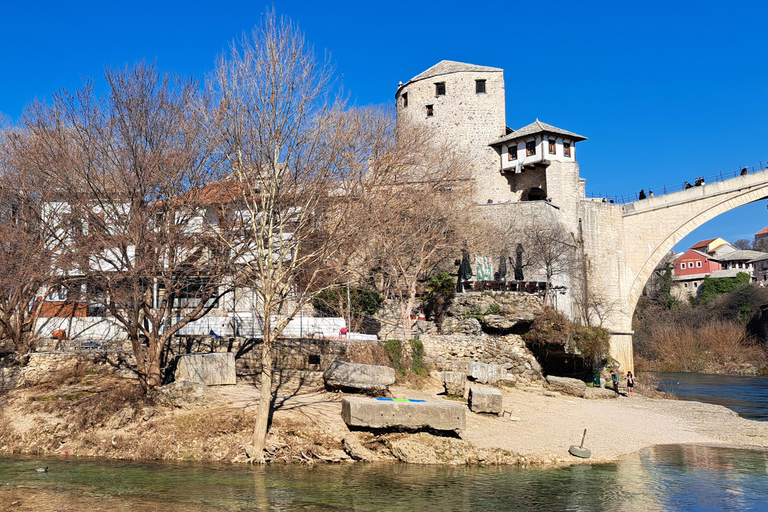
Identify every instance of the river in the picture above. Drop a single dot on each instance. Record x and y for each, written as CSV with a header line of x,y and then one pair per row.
x,y
747,395
660,478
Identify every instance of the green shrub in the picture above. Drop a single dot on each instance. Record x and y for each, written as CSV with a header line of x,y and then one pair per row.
x,y
493,309
394,352
333,301
418,366
402,366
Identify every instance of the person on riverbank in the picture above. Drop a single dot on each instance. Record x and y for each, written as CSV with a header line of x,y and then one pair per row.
x,y
615,381
630,384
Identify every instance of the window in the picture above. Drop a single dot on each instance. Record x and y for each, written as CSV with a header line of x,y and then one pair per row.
x,y
698,264
682,266
430,111
567,149
440,89
480,86
552,147
405,99
530,148
192,290
511,153
695,285
690,264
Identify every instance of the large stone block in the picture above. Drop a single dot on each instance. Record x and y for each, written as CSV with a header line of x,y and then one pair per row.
x,y
388,413
488,373
482,399
366,377
567,385
454,383
212,369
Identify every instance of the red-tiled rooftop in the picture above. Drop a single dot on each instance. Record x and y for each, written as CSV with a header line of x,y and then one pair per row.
x,y
703,243
763,231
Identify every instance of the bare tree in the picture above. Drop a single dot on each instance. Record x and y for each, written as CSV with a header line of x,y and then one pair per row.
x,y
280,130
26,256
414,212
742,244
553,249
127,170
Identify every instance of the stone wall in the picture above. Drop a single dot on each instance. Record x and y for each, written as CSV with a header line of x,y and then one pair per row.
x,y
509,351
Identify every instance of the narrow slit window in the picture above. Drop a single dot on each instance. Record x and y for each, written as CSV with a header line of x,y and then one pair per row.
x,y
440,89
480,86
405,99
430,111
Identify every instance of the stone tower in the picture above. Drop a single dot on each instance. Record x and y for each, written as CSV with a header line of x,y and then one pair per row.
x,y
464,105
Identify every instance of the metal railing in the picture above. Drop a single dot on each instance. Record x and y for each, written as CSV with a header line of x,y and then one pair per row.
x,y
668,189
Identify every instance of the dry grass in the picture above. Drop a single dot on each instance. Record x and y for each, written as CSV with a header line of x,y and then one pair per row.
x,y
717,346
367,353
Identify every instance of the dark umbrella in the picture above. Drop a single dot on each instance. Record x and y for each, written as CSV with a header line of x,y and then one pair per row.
x,y
465,269
503,266
519,263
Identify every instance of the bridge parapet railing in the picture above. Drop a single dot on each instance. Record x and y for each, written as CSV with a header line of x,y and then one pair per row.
x,y
683,185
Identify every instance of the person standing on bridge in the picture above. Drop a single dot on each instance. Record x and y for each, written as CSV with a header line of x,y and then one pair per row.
x,y
650,193
641,195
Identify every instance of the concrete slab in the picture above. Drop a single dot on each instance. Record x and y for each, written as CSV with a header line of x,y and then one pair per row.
x,y
214,369
388,413
482,399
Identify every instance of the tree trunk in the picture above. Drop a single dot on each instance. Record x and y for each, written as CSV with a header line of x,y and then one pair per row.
x,y
265,402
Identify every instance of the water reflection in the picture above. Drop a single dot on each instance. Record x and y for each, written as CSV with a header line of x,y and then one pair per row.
x,y
662,478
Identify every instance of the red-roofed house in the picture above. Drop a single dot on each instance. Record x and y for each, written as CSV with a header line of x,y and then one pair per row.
x,y
696,263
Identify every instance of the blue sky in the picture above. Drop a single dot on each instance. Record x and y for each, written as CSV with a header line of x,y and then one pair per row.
x,y
665,91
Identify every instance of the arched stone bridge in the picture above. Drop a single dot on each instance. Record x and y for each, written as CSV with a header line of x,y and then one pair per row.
x,y
651,227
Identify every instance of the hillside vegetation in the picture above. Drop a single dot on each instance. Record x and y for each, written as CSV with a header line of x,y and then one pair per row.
x,y
723,330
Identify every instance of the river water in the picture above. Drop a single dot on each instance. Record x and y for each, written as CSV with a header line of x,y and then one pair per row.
x,y
660,478
746,395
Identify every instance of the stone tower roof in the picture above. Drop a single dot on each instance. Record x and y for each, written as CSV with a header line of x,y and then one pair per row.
x,y
537,127
446,67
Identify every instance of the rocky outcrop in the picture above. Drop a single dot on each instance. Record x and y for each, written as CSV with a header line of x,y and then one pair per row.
x,y
567,385
363,377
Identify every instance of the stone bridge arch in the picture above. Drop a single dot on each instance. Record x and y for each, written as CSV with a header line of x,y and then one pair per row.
x,y
653,226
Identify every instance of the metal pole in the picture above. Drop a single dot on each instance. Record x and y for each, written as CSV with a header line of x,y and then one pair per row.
x,y
349,309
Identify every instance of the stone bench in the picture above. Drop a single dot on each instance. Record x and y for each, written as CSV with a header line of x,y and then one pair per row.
x,y
482,399
214,369
389,413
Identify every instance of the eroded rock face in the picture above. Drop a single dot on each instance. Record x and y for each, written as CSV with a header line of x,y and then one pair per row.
x,y
567,385
364,377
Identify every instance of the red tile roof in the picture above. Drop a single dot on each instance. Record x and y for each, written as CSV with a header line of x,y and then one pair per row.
x,y
763,231
703,243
